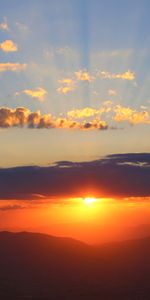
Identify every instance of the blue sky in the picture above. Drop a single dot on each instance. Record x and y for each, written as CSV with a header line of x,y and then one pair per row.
x,y
84,62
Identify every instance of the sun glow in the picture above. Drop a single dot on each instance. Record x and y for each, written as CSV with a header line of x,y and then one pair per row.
x,y
89,200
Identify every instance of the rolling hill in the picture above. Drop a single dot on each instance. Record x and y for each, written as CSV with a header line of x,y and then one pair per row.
x,y
42,267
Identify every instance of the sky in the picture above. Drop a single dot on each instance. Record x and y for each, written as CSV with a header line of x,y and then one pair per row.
x,y
74,95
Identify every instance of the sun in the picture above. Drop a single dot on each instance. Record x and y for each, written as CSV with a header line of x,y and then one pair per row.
x,y
89,200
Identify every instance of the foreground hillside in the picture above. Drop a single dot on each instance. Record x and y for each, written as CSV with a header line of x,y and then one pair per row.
x,y
42,267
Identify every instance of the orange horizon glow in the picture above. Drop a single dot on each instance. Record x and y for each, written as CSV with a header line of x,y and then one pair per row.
x,y
90,219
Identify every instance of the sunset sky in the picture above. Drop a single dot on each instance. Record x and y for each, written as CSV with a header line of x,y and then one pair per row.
x,y
75,117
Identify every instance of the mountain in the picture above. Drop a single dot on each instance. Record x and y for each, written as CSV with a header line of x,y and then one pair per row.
x,y
42,267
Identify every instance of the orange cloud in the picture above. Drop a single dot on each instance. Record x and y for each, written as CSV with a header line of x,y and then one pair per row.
x,y
39,93
89,111
65,89
13,117
82,75
124,76
71,124
132,116
8,46
12,67
66,81
81,113
94,124
68,85
121,113
22,116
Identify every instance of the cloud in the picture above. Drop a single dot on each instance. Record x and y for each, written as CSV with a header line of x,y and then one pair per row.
x,y
143,107
22,27
71,124
14,67
8,46
112,92
115,113
88,112
4,26
38,93
82,75
11,207
22,116
67,86
124,76
63,50
64,89
113,54
13,117
81,113
25,203
132,116
95,124
119,175
66,81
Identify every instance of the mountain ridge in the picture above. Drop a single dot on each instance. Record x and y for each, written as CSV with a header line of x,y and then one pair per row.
x,y
43,267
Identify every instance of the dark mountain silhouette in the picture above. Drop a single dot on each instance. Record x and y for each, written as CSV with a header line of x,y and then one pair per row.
x,y
42,267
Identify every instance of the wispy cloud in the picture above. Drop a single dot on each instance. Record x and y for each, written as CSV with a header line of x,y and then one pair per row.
x,y
4,26
8,46
67,85
110,54
22,27
10,66
112,92
83,75
11,207
38,93
128,75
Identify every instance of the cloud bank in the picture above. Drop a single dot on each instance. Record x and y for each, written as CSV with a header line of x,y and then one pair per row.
x,y
82,119
119,175
22,116
131,115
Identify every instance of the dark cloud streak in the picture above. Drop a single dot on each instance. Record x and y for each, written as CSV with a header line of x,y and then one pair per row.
x,y
120,175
